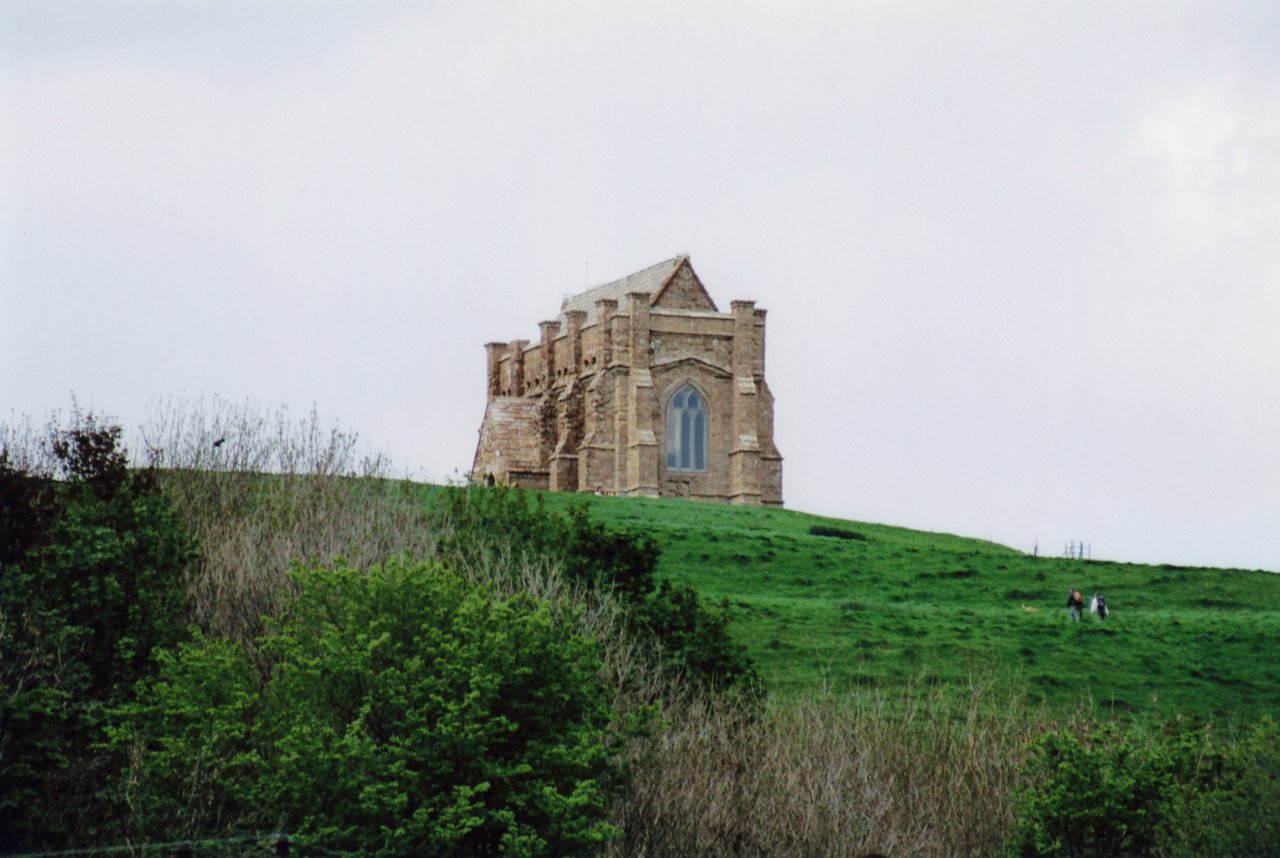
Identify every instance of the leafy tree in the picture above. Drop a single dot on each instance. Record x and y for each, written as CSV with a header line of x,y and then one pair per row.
x,y
91,565
400,711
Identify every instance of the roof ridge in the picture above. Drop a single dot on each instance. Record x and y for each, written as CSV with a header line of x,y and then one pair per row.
x,y
609,286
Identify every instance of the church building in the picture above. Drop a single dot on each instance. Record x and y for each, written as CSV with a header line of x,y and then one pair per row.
x,y
639,387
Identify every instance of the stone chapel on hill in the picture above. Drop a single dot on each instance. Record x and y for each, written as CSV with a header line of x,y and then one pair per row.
x,y
638,387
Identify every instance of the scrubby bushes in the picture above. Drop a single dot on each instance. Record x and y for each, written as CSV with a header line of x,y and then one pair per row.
x,y
252,528
690,638
315,688
393,712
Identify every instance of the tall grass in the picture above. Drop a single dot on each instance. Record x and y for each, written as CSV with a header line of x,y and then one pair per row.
x,y
929,776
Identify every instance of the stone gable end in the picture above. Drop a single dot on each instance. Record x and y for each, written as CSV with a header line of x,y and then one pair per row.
x,y
684,291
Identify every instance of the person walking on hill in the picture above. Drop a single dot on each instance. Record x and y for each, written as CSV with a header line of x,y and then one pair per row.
x,y
1099,606
1075,604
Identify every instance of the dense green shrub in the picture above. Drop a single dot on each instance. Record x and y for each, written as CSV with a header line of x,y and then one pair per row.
x,y
396,711
695,639
1100,796
692,638
590,553
1238,812
188,748
1175,791
622,561
91,566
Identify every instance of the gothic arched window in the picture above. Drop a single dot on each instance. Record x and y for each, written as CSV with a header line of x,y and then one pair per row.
x,y
687,431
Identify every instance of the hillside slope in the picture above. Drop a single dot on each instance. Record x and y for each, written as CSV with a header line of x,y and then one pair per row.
x,y
891,609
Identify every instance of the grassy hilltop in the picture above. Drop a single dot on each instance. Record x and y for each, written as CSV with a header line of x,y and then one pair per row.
x,y
889,608
268,635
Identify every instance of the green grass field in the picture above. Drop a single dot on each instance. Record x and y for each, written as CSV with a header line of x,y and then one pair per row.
x,y
892,610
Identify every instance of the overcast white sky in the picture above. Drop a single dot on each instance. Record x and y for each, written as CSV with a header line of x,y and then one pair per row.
x,y
1021,260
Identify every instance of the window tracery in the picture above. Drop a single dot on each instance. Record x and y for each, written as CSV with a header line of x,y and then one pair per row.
x,y
687,431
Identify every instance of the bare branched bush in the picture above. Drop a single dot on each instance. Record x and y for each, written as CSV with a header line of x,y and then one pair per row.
x,y
24,446
29,448
261,492
929,776
229,436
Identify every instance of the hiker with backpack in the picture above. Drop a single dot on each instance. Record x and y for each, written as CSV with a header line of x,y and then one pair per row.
x,y
1075,604
1098,606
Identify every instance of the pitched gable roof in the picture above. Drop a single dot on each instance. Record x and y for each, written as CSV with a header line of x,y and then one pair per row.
x,y
656,281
